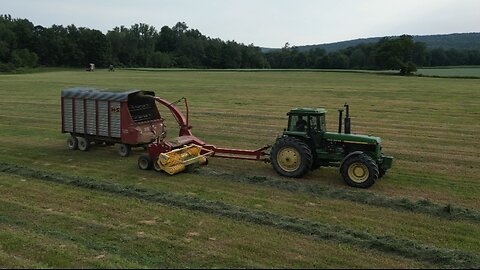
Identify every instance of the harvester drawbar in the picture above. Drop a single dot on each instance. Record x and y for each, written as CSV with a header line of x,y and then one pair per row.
x,y
160,153
132,119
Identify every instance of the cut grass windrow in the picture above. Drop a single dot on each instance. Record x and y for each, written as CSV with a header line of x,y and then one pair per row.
x,y
448,211
332,233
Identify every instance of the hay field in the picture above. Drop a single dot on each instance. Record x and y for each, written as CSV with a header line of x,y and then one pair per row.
x,y
461,71
62,208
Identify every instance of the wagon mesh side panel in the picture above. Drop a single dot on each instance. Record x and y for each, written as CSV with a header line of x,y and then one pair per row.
x,y
67,115
103,118
115,119
91,117
79,116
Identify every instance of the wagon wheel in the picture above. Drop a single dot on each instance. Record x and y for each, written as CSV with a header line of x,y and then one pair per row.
x,y
124,150
144,162
156,167
72,143
83,144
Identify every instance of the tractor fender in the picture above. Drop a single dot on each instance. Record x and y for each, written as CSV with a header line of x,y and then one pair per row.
x,y
349,156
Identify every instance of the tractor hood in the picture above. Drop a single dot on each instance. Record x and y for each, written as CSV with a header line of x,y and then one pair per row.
x,y
352,138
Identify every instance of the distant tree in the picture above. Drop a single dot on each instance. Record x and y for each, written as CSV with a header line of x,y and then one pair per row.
x,y
438,57
94,46
338,60
160,60
396,54
358,59
232,55
166,40
24,58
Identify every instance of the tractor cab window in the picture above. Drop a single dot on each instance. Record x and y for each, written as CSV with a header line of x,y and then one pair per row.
x,y
298,123
317,123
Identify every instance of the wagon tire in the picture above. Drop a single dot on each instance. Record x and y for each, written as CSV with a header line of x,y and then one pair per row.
x,y
156,167
124,150
72,143
145,163
83,144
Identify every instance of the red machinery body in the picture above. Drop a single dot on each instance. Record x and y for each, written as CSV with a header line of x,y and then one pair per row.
x,y
129,118
186,137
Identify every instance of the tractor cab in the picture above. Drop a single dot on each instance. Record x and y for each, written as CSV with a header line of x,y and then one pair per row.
x,y
308,124
306,121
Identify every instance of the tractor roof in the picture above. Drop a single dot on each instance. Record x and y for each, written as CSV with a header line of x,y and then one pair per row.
x,y
304,111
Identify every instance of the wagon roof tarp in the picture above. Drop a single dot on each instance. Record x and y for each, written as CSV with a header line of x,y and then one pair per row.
x,y
91,93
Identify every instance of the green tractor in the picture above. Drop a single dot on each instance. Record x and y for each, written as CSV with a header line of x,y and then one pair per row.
x,y
307,145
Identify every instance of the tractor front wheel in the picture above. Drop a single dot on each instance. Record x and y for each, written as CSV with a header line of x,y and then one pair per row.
x,y
359,171
291,157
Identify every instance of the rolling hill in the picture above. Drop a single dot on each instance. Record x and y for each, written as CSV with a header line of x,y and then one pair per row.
x,y
461,41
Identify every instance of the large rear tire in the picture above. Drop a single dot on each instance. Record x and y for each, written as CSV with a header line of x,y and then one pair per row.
x,y
291,157
359,171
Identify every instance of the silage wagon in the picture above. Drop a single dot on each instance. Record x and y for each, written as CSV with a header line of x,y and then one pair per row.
x,y
129,119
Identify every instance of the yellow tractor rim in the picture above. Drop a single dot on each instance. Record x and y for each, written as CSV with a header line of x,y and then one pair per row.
x,y
289,159
358,172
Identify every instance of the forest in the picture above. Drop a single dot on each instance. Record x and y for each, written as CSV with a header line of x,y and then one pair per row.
x,y
24,45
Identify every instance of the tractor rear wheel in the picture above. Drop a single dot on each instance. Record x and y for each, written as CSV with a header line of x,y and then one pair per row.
x,y
144,162
359,171
291,157
72,143
83,144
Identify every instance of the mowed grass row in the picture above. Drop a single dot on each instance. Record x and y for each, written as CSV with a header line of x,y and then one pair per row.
x,y
37,142
322,232
49,225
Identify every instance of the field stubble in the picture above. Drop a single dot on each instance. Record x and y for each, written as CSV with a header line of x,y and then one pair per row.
x,y
430,126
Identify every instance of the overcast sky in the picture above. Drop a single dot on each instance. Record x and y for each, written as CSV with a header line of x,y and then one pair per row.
x,y
265,23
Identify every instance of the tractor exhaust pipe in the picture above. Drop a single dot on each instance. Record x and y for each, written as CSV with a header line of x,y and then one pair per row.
x,y
340,112
347,119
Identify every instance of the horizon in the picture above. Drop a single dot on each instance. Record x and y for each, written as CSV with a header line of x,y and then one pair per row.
x,y
264,23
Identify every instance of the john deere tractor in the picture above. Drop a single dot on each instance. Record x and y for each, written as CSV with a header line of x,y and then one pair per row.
x,y
307,145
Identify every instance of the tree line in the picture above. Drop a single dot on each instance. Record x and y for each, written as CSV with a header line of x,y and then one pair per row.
x,y
400,53
22,44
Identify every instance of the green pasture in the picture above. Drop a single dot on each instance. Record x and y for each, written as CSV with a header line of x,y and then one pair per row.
x,y
63,209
